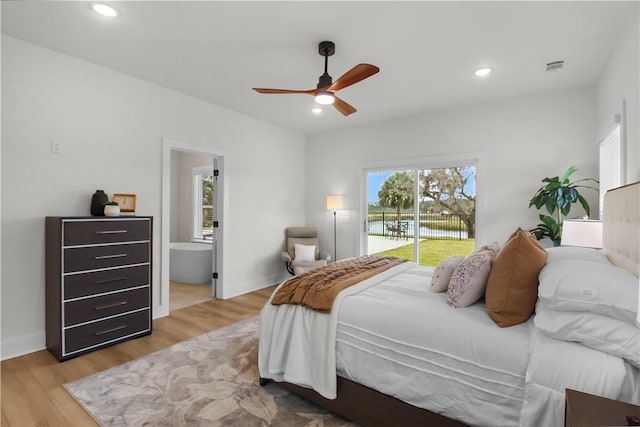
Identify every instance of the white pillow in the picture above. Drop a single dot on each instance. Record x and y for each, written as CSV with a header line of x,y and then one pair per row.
x,y
572,285
561,253
597,331
304,253
443,272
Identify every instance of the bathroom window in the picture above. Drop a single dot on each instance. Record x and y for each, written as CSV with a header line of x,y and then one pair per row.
x,y
203,196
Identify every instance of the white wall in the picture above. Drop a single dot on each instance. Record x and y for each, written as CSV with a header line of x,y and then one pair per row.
x,y
110,127
620,81
523,141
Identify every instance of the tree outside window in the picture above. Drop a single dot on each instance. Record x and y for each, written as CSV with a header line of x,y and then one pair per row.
x,y
203,214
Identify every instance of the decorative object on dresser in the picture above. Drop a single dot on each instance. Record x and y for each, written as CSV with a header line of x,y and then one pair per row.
x,y
127,202
98,200
111,209
98,282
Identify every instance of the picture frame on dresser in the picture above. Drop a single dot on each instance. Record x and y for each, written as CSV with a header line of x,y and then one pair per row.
x,y
98,282
126,202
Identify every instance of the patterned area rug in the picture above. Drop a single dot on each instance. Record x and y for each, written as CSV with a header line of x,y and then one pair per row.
x,y
210,380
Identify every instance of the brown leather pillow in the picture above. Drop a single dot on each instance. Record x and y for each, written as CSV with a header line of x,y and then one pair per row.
x,y
512,288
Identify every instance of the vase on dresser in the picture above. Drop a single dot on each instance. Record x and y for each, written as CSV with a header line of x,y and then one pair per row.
x,y
98,200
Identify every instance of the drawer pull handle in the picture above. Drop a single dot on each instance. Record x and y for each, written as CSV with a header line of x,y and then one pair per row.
x,y
110,256
116,304
117,328
111,232
115,279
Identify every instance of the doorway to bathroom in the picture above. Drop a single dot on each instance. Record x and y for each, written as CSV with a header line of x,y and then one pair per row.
x,y
193,200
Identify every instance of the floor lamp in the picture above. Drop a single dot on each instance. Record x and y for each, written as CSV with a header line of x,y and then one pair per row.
x,y
334,203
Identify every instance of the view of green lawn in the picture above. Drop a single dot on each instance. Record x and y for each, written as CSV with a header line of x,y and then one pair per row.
x,y
432,252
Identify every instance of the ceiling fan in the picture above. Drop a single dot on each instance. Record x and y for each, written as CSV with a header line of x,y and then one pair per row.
x,y
325,92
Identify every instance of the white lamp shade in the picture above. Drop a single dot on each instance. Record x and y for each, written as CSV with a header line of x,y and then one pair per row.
x,y
334,203
583,233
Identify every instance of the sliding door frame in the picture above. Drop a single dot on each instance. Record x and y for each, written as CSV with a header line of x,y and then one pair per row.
x,y
476,159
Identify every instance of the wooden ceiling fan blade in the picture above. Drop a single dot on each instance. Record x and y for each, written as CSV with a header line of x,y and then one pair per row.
x,y
267,90
354,75
343,107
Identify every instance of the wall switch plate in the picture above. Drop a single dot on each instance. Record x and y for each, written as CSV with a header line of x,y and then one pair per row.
x,y
56,147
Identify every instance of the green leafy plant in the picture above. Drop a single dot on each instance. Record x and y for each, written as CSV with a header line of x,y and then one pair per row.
x,y
111,203
557,196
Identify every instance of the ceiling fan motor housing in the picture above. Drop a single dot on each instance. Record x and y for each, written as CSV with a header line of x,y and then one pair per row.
x,y
325,80
326,48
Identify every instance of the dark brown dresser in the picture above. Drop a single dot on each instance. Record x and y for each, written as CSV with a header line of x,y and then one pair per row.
x,y
98,282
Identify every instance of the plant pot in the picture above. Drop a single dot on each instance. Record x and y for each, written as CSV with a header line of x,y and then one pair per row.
x,y
111,210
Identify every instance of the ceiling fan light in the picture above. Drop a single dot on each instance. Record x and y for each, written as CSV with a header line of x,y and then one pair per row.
x,y
325,98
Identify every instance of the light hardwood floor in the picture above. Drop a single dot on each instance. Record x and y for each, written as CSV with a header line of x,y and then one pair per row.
x,y
32,392
183,294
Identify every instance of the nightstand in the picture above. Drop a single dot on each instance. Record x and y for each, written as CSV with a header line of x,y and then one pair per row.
x,y
583,409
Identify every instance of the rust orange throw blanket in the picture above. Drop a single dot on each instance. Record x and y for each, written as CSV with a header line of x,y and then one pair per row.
x,y
318,288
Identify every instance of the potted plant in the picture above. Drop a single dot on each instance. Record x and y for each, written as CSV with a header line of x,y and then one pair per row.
x,y
111,209
557,196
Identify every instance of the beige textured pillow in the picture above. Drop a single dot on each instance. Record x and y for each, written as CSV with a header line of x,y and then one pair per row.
x,y
469,279
512,288
442,273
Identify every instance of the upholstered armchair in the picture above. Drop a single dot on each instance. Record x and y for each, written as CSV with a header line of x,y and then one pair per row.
x,y
302,252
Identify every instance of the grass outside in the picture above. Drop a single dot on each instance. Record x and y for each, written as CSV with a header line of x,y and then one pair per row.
x,y
432,252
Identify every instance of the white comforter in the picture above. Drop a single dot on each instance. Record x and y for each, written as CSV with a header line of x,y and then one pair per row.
x,y
555,365
298,345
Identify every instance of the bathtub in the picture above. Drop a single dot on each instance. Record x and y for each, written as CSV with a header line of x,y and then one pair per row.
x,y
190,262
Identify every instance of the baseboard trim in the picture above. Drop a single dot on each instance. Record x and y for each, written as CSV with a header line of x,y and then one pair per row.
x,y
254,285
29,344
21,346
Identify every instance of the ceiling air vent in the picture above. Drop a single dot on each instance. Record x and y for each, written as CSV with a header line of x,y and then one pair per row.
x,y
555,65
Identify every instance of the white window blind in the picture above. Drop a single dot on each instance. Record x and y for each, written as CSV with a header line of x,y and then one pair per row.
x,y
610,163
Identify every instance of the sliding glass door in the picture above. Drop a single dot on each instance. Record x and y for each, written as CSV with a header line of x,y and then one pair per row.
x,y
390,201
421,214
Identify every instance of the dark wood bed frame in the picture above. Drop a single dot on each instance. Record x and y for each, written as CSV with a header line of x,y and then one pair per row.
x,y
369,407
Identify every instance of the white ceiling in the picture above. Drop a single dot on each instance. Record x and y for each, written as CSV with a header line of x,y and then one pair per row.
x,y
427,51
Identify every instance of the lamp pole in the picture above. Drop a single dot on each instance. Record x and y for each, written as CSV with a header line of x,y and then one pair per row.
x,y
334,238
334,203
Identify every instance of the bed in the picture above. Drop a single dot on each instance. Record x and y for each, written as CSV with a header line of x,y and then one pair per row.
x,y
391,352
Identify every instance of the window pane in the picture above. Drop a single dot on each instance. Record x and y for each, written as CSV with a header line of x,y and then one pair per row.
x,y
207,190
207,218
610,163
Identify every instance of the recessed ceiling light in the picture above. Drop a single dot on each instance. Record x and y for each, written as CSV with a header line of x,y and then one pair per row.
x,y
104,10
481,72
316,110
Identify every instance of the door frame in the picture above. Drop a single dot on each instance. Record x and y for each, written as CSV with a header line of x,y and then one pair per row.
x,y
169,145
477,159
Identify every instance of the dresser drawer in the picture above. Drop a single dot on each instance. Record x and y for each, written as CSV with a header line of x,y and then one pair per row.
x,y
84,284
96,257
107,231
92,308
81,337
